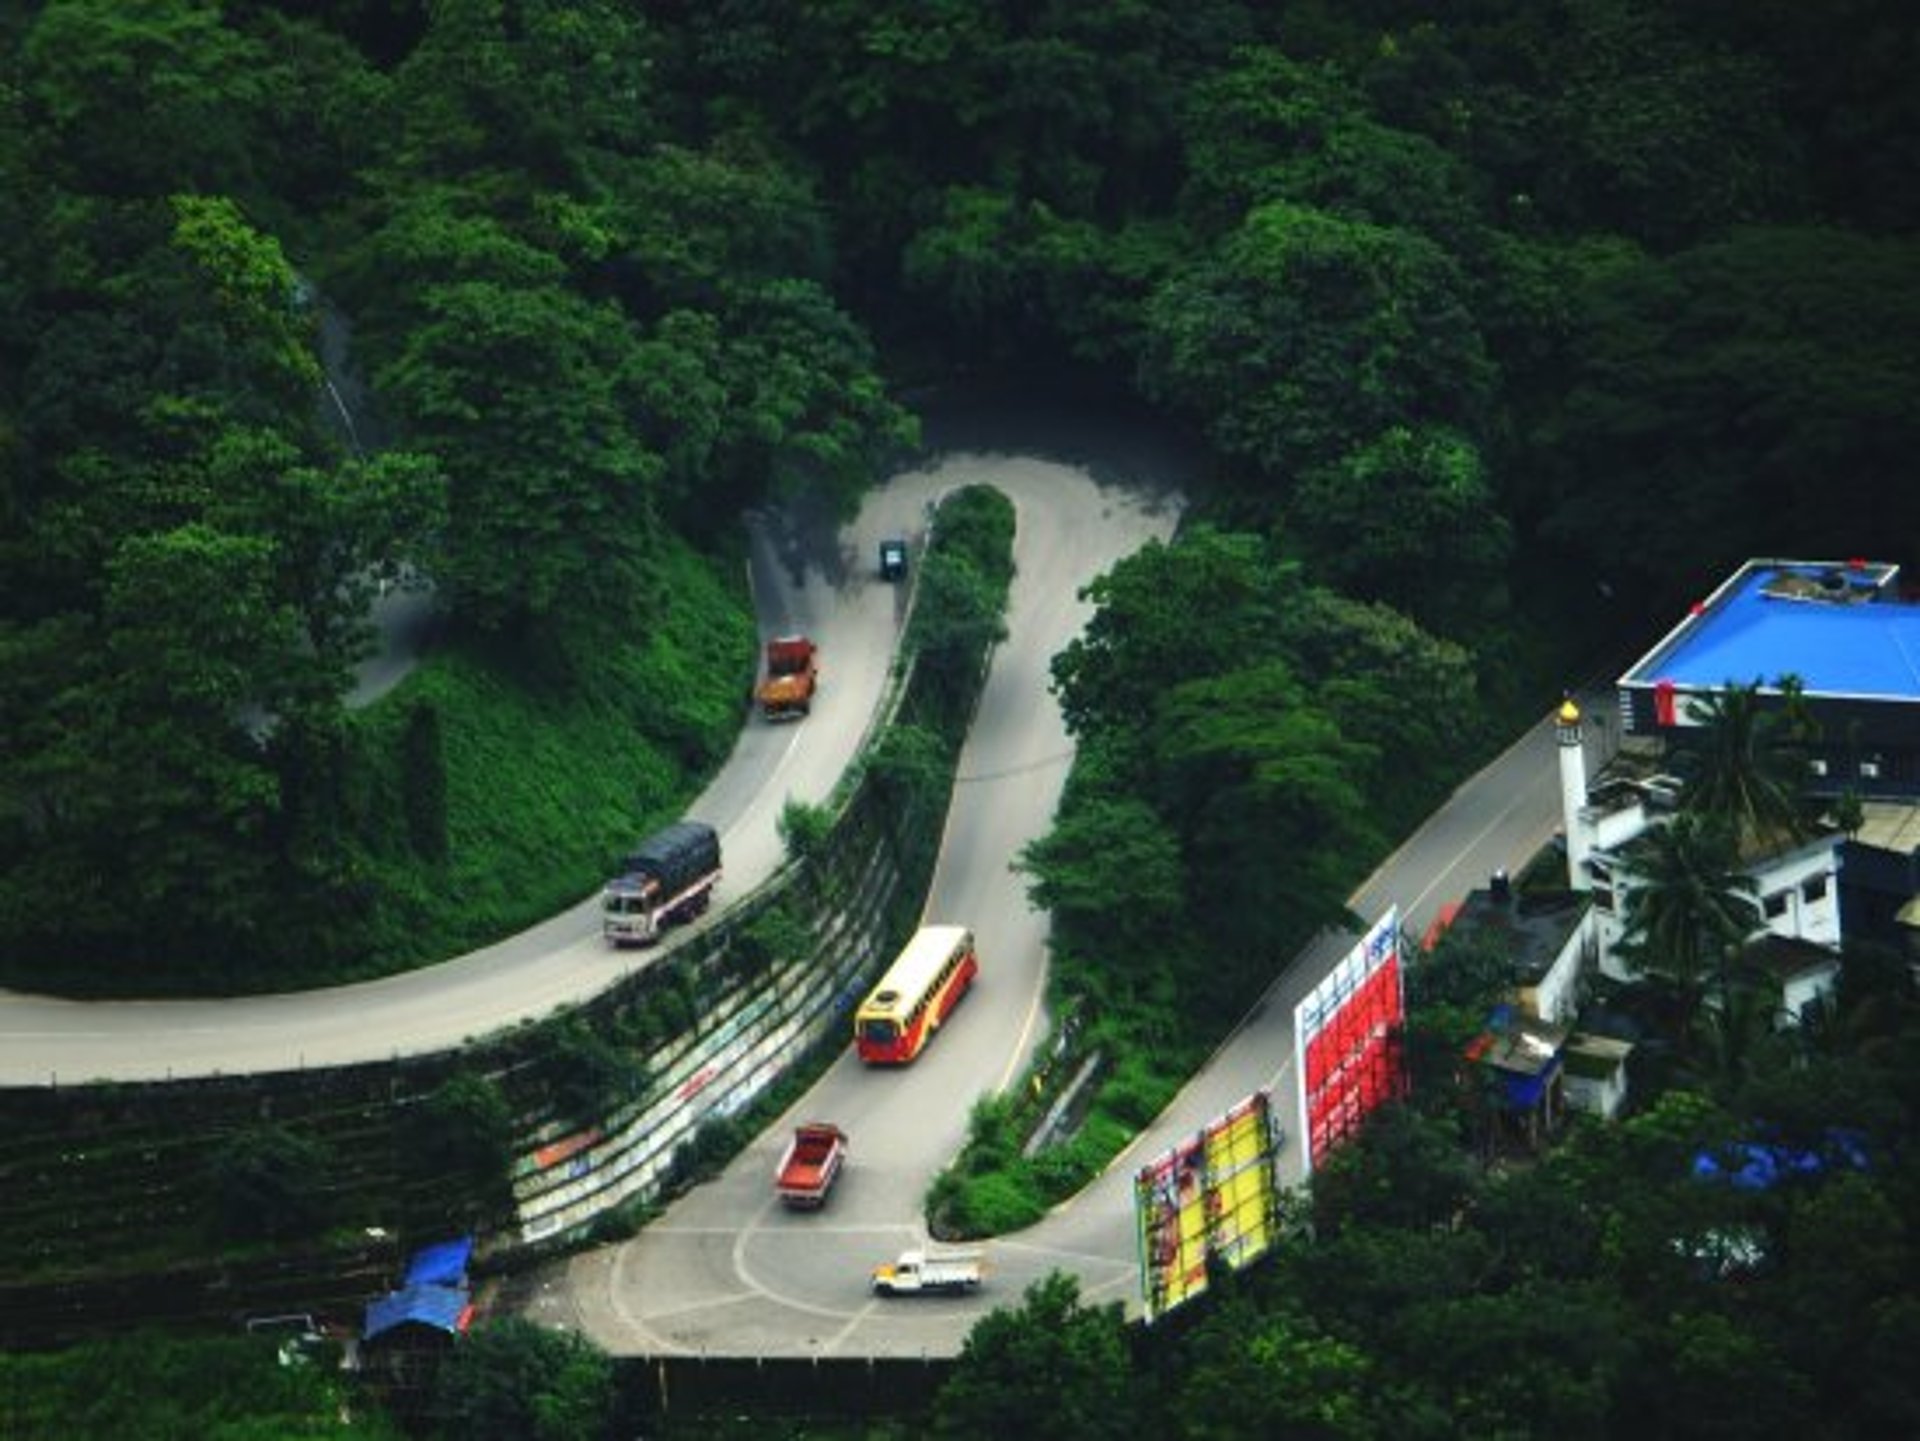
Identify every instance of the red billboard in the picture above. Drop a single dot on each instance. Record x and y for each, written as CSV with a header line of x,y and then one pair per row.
x,y
1346,1040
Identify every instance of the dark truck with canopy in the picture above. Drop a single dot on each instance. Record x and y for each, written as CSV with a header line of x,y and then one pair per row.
x,y
668,878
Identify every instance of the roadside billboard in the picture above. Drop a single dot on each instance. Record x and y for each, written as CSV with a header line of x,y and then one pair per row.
x,y
1346,1040
1212,1198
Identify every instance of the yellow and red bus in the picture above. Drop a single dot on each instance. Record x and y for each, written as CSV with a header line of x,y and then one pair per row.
x,y
916,994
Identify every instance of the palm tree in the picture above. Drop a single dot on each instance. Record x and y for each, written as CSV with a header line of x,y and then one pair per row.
x,y
1742,1034
1688,909
1750,763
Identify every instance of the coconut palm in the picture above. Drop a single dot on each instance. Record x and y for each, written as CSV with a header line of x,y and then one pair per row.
x,y
1688,909
1750,762
1740,1035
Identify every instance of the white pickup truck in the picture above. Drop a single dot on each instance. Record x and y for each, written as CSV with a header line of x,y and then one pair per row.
x,y
921,1272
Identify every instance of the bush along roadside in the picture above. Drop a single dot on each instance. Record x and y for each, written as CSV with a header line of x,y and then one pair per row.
x,y
1244,754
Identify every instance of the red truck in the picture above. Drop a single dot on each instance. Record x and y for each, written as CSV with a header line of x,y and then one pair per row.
x,y
793,674
811,1165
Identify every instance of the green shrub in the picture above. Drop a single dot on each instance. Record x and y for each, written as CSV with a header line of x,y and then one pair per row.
x,y
424,773
976,524
804,828
511,1379
1059,1171
713,1143
266,1183
774,935
993,1134
993,1204
1136,1091
157,1384
457,1144
590,1076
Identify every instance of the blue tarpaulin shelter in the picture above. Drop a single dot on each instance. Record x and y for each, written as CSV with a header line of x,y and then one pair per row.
x,y
433,1293
1523,1093
444,1264
1753,1166
444,1308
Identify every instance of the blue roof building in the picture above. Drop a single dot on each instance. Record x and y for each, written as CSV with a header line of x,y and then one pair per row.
x,y
1849,634
1842,628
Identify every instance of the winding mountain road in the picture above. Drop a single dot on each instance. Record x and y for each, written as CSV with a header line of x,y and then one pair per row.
x,y
725,1271
47,1040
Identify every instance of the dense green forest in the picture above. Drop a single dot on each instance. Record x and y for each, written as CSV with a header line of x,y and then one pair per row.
x,y
1556,303
1510,325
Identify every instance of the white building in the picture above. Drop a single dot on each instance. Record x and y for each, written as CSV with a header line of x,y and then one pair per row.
x,y
1806,976
1596,1074
1797,889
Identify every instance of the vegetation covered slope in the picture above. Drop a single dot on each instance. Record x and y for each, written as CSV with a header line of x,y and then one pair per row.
x,y
1596,294
592,346
1493,315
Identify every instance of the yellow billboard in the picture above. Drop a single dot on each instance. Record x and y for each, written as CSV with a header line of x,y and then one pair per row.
x,y
1215,1197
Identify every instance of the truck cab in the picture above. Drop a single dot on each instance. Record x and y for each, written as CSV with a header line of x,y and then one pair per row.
x,y
927,1272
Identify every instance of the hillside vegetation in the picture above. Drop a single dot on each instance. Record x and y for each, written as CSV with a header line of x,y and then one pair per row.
x,y
613,274
1509,326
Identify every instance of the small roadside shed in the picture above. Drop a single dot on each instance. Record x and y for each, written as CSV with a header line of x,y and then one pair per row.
x,y
1596,1073
447,1310
1523,1059
404,1333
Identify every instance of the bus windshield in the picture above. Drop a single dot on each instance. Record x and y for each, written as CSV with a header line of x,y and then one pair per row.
x,y
879,1033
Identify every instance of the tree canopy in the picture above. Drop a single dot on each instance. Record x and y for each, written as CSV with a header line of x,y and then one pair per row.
x,y
1473,306
1444,294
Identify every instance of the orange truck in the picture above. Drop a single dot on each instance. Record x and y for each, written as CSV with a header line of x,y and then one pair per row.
x,y
792,674
810,1165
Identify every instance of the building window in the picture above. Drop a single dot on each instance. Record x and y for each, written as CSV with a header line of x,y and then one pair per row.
x,y
1814,890
1817,766
1775,905
1603,900
1870,768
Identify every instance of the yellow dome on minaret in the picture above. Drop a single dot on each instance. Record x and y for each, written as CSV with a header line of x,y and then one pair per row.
x,y
1569,712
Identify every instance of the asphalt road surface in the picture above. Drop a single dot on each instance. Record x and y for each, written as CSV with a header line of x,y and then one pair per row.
x,y
727,1271
825,584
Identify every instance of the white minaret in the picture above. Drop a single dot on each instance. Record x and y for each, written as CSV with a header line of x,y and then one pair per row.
x,y
1573,792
